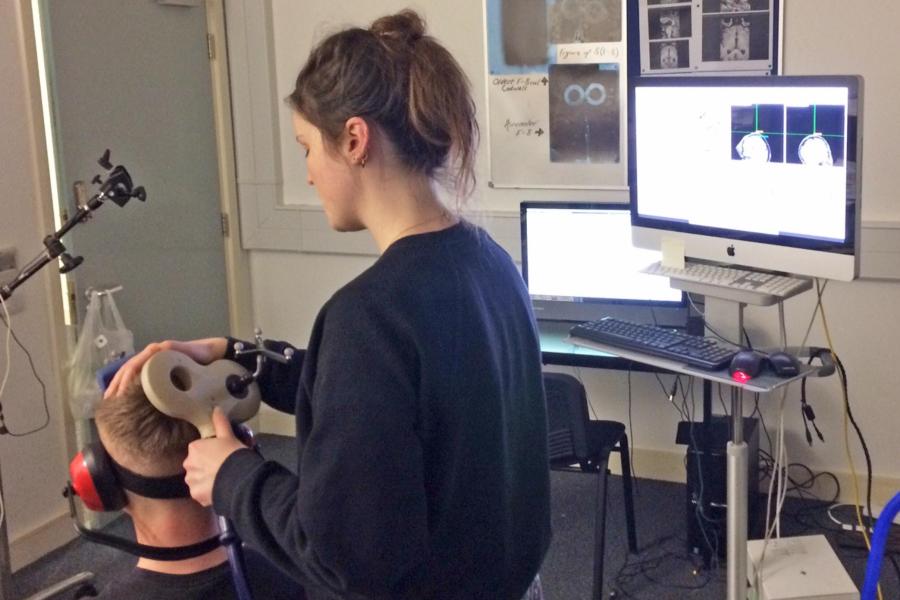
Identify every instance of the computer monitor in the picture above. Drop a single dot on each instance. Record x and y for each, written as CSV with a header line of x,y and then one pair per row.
x,y
580,265
757,171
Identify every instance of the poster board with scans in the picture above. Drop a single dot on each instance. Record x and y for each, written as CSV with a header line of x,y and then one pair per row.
x,y
556,92
709,36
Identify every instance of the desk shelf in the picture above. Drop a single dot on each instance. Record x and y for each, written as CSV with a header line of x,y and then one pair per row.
x,y
763,383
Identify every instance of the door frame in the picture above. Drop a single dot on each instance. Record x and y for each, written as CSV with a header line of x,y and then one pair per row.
x,y
237,259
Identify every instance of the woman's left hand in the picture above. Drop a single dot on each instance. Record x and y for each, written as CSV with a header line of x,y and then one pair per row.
x,y
205,458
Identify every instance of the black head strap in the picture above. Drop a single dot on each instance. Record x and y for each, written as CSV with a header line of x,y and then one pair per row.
x,y
161,488
136,549
152,552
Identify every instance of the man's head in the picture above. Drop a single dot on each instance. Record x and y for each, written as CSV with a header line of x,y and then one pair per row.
x,y
148,443
140,437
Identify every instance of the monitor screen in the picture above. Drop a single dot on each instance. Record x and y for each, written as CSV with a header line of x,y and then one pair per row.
x,y
755,171
579,264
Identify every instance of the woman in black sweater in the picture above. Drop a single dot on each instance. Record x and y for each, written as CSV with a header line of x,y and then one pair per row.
x,y
421,426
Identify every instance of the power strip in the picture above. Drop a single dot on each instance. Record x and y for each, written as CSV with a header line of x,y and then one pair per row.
x,y
797,568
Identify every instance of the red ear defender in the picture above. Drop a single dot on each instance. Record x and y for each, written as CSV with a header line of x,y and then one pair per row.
x,y
94,481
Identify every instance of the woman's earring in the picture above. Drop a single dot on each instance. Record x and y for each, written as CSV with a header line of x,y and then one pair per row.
x,y
363,159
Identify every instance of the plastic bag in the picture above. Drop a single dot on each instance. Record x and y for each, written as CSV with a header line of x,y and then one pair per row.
x,y
103,338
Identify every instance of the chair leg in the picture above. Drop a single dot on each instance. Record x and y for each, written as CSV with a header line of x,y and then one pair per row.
x,y
600,528
629,496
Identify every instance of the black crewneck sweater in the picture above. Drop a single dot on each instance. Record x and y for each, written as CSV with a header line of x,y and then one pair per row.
x,y
421,432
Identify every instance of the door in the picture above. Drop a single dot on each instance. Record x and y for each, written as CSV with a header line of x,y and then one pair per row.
x,y
134,77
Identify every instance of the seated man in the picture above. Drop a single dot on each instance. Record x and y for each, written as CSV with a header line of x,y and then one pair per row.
x,y
145,441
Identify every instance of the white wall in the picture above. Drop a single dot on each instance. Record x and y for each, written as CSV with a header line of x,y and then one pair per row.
x,y
34,467
821,36
288,288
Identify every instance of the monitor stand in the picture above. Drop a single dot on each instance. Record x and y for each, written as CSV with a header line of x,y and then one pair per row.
x,y
727,316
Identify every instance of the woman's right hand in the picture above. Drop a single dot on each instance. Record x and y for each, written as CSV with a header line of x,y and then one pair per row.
x,y
202,351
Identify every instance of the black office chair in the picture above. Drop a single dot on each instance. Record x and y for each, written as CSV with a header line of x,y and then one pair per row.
x,y
579,444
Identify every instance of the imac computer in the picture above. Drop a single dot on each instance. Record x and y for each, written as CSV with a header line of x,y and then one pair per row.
x,y
580,265
761,172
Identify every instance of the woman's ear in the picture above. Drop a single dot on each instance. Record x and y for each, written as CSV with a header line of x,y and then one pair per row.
x,y
357,136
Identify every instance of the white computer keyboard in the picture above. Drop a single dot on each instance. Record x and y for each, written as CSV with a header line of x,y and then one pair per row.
x,y
750,287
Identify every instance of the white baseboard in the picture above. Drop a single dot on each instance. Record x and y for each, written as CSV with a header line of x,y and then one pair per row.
x,y
279,423
34,544
664,465
652,464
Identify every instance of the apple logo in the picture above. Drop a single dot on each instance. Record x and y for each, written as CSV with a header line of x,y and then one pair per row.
x,y
730,251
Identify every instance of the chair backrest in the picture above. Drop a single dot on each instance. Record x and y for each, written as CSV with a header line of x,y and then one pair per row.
x,y
567,416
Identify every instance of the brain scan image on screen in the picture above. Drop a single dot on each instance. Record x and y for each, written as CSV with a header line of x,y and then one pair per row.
x,y
816,135
814,150
757,132
754,146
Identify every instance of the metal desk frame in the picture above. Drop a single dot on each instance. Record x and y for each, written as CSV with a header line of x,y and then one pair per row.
x,y
590,354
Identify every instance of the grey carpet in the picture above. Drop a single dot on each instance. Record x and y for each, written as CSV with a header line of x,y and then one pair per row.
x,y
662,570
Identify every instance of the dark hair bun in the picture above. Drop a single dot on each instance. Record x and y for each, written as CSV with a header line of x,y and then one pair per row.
x,y
406,26
398,77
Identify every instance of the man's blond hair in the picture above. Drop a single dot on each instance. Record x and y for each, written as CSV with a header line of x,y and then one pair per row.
x,y
151,442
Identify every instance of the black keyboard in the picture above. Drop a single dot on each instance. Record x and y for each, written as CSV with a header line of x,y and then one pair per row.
x,y
694,350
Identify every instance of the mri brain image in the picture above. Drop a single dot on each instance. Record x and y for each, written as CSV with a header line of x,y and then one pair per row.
x,y
734,5
735,44
670,23
668,56
815,150
755,147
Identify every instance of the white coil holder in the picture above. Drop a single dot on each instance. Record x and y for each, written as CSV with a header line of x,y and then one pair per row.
x,y
184,389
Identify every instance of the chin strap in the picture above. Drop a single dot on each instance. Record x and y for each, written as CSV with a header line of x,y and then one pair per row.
x,y
135,548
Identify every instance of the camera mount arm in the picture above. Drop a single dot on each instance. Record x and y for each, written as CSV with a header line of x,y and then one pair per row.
x,y
117,187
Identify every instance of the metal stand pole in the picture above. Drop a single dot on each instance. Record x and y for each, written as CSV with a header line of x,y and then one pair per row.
x,y
738,455
5,571
728,318
236,559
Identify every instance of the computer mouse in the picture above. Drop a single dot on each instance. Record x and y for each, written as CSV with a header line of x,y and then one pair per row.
x,y
746,365
784,364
